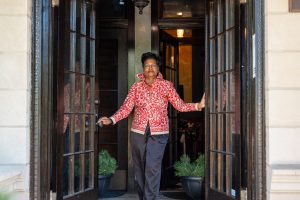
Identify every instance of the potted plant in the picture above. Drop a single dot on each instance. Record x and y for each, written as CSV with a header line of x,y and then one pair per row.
x,y
191,175
4,195
107,167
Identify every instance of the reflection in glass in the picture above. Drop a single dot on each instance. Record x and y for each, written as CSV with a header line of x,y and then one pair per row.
x,y
77,170
87,174
65,181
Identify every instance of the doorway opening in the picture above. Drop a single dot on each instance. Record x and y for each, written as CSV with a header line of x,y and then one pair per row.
x,y
183,63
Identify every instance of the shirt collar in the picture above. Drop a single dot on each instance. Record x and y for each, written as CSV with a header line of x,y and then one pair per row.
x,y
142,77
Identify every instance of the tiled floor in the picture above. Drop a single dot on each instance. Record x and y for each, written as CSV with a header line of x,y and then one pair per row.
x,y
131,197
128,196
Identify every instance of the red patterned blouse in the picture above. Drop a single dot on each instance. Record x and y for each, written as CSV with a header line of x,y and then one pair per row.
x,y
151,103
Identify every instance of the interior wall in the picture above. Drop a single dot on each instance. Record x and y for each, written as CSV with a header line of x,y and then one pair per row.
x,y
185,70
282,98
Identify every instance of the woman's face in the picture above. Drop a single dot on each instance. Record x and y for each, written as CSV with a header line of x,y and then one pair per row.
x,y
151,69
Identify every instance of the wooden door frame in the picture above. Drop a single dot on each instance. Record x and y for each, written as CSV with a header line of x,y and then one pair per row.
x,y
41,108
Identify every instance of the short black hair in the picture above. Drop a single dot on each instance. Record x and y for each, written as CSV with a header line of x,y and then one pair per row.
x,y
150,55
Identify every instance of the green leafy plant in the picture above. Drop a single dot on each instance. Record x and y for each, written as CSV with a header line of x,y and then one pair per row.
x,y
107,164
5,195
184,167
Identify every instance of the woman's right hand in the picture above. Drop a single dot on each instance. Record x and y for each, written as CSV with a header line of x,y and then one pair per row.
x,y
104,121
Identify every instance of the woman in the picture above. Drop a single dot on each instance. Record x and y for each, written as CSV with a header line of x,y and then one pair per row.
x,y
150,126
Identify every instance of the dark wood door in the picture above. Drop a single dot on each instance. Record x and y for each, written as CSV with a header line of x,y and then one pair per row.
x,y
77,153
112,53
223,100
169,51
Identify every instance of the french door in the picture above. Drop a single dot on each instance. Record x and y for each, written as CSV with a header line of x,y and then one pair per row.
x,y
223,100
77,169
169,51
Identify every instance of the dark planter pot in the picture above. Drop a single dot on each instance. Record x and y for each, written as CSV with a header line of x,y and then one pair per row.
x,y
103,183
193,186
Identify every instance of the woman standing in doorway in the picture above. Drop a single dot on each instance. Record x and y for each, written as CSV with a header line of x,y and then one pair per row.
x,y
150,125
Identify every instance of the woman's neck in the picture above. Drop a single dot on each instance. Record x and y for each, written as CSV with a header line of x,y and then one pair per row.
x,y
149,80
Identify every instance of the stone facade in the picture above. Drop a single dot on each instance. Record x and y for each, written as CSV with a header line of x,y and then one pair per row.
x,y
15,53
282,96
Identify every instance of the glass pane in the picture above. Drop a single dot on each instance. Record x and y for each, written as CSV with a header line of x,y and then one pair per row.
x,y
213,131
230,53
90,62
73,6
112,9
77,172
220,138
70,52
65,180
212,56
90,21
87,174
87,95
78,129
224,94
77,96
228,174
229,13
233,186
66,134
220,172
79,10
83,55
231,90
182,9
221,53
220,14
212,18
212,170
213,102
215,157
78,54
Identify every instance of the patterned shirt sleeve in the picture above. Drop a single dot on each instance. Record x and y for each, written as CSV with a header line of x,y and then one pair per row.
x,y
178,103
127,106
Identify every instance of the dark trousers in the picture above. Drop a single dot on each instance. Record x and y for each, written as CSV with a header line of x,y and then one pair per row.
x,y
147,154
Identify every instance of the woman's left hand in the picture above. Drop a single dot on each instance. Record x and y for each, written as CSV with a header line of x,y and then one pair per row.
x,y
201,104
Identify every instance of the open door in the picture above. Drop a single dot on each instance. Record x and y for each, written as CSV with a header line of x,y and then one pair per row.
x,y
76,151
223,135
169,51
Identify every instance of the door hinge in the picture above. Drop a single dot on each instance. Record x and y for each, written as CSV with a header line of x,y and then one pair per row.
x,y
244,194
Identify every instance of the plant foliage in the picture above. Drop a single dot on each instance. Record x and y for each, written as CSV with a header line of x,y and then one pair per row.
x,y
184,167
5,195
107,164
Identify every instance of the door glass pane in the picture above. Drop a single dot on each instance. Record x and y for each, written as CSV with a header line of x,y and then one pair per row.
x,y
77,172
212,19
213,90
220,53
230,13
230,53
220,15
87,174
212,57
65,179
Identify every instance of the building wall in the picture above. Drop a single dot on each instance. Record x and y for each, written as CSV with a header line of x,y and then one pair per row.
x,y
282,83
15,53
